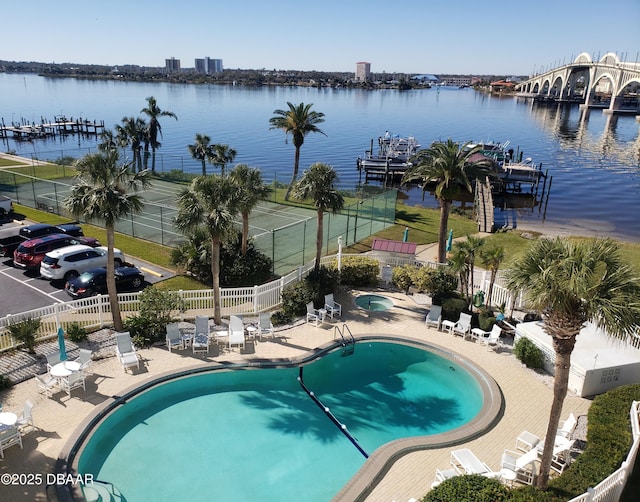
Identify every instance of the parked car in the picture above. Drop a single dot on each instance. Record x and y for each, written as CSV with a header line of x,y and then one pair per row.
x,y
30,253
94,282
6,205
69,262
40,229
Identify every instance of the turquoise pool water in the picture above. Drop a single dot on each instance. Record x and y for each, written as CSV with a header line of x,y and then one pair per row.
x,y
376,303
256,435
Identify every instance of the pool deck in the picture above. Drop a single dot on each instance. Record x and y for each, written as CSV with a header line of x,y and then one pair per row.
x,y
527,397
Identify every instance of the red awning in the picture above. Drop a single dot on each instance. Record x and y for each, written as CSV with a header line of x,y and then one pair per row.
x,y
394,246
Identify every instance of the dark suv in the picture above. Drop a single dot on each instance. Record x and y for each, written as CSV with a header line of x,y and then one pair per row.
x,y
40,229
29,254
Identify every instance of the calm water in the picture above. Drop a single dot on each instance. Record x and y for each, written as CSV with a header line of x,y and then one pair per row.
x,y
256,435
594,159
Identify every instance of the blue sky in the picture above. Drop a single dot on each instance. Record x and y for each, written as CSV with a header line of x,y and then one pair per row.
x,y
411,36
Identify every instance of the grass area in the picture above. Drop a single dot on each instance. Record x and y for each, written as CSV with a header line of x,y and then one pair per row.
x,y
10,162
45,172
181,282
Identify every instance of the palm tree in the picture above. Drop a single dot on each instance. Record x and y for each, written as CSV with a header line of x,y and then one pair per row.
x,y
252,191
153,111
221,155
319,184
201,150
107,192
298,121
572,282
447,165
492,258
470,248
209,203
133,132
107,141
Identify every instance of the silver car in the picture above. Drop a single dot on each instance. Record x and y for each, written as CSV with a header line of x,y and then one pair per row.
x,y
69,262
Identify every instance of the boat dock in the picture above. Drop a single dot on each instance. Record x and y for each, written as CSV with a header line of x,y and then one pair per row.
x,y
59,126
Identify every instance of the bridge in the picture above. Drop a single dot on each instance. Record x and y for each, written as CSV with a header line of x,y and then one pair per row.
x,y
609,84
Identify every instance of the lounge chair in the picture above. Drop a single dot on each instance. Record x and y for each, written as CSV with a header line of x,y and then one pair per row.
x,y
488,338
174,338
9,435
442,475
84,359
200,342
524,466
126,352
265,326
46,384
25,418
331,306
312,313
561,455
53,359
236,332
464,461
460,327
434,317
567,427
73,381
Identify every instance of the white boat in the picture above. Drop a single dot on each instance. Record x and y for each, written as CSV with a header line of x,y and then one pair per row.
x,y
393,155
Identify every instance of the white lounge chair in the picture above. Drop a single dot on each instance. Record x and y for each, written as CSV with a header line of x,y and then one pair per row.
x,y
236,332
488,338
331,306
265,326
312,314
84,359
46,384
561,455
524,465
464,461
73,381
9,435
200,342
434,317
126,352
26,417
567,427
174,337
442,475
461,327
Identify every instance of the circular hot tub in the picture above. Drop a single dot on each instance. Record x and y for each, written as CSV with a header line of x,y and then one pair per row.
x,y
375,303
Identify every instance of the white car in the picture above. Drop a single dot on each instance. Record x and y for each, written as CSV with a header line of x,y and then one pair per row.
x,y
69,262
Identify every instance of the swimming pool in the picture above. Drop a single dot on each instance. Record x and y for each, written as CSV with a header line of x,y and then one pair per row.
x,y
255,433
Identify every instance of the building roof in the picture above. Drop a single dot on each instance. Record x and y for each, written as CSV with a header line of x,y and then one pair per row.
x,y
394,246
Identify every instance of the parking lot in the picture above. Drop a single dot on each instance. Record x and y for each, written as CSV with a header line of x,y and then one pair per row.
x,y
23,291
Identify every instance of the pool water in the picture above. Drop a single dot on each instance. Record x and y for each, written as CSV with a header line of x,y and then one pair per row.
x,y
376,303
255,434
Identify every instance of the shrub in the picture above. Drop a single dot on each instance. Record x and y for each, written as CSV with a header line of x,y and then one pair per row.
x,y
452,308
359,271
527,352
156,311
462,488
5,382
322,282
295,297
402,277
440,282
76,333
279,318
486,320
25,332
421,278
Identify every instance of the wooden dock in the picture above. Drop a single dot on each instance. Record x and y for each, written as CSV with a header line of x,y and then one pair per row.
x,y
484,206
60,126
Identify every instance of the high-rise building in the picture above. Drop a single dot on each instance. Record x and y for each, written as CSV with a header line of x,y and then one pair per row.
x,y
208,65
172,64
363,71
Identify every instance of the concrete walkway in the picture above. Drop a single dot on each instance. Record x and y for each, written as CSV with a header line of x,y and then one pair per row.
x,y
527,397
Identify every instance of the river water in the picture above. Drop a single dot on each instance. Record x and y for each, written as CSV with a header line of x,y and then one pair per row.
x,y
592,158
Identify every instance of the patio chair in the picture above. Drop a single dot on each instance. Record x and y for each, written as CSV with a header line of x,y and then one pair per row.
x,y
434,317
84,359
73,381
567,427
200,342
460,327
53,359
464,461
9,436
174,337
25,418
524,465
331,306
236,332
312,314
46,384
265,326
442,475
126,352
488,338
561,456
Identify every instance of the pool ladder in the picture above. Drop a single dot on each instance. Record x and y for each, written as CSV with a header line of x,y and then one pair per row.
x,y
348,343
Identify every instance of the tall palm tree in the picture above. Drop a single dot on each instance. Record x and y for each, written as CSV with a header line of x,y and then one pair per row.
x,y
572,282
449,166
470,248
107,191
153,111
252,191
133,132
492,258
319,185
201,150
107,141
298,120
221,155
209,203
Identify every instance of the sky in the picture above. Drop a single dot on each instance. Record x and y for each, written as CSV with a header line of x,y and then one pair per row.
x,y
409,36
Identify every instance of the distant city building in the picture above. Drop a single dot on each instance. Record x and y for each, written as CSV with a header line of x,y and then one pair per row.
x,y
208,66
363,72
455,80
172,64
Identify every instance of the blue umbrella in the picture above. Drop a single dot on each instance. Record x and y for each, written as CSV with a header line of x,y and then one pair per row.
x,y
450,240
63,349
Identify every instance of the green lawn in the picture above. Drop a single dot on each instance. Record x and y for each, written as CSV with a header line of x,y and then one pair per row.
x,y
45,172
